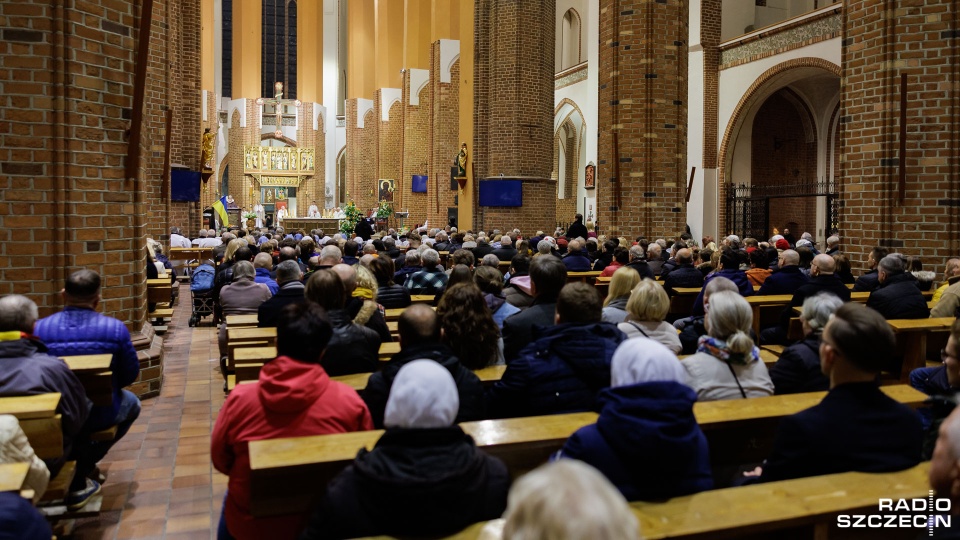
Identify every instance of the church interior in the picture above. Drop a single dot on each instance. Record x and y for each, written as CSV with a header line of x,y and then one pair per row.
x,y
124,120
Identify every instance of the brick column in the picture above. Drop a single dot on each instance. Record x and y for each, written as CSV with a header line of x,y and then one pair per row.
x,y
879,45
513,97
643,92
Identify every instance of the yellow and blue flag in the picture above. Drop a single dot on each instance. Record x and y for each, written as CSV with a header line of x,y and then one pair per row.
x,y
220,207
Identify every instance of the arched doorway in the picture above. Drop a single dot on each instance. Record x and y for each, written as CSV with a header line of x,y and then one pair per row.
x,y
341,177
780,151
569,159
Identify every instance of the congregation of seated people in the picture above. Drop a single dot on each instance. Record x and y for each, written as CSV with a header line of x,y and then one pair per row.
x,y
471,301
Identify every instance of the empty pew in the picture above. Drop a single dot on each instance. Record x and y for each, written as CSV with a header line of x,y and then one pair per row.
x,y
286,473
912,336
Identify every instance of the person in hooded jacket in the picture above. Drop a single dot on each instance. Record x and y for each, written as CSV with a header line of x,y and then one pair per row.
x,y
424,477
730,269
490,282
353,348
419,333
564,366
294,397
646,440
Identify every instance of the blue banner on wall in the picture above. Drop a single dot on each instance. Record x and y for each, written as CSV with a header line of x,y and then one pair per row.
x,y
419,184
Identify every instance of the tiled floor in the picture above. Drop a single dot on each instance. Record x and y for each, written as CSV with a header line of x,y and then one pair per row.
x,y
160,482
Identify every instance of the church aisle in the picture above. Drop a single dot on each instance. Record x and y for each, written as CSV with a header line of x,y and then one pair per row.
x,y
160,482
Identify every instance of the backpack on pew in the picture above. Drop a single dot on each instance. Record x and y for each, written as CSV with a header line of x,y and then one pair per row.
x,y
202,280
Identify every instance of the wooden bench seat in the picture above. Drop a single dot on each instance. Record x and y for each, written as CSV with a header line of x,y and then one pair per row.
x,y
13,475
422,298
242,321
59,485
487,376
387,350
159,290
39,420
286,473
584,277
800,508
912,337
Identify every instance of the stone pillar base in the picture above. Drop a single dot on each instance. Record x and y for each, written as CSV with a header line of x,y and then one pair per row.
x,y
150,353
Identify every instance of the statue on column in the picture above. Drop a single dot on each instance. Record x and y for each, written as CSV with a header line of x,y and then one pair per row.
x,y
206,154
462,161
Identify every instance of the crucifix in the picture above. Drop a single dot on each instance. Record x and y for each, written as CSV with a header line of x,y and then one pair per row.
x,y
278,102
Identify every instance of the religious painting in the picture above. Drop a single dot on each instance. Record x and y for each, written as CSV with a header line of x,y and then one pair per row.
x,y
589,177
281,194
386,190
268,196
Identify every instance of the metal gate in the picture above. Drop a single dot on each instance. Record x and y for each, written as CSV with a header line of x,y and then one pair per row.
x,y
748,207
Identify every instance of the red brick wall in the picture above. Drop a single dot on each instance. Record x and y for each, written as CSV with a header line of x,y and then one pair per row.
x,y
921,42
643,88
417,124
391,150
365,194
444,144
514,107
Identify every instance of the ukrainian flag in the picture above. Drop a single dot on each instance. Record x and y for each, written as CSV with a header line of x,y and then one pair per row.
x,y
220,207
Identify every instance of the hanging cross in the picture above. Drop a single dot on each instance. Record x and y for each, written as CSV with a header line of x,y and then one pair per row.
x,y
278,102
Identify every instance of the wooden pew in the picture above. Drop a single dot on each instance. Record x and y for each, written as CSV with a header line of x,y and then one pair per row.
x,y
681,303
286,473
94,373
242,321
13,475
767,309
912,336
241,338
39,420
800,508
422,298
394,313
249,360
583,277
388,349
358,381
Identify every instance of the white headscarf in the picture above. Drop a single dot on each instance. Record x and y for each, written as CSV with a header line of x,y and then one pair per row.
x,y
642,360
423,395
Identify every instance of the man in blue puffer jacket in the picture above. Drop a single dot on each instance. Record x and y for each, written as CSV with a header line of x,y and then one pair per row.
x,y
80,330
565,365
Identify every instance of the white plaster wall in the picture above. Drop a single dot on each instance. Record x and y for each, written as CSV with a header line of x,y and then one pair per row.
x,y
580,6
696,218
331,71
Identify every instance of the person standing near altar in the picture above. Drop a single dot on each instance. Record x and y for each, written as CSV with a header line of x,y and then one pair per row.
x,y
261,214
313,211
281,214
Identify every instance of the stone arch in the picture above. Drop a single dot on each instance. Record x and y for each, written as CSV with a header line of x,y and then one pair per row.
x,y
764,86
569,156
283,138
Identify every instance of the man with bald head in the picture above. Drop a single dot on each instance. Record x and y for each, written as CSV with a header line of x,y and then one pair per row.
x,y
684,274
787,278
822,279
419,330
898,296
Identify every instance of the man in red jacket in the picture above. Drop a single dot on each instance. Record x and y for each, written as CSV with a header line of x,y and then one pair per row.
x,y
294,397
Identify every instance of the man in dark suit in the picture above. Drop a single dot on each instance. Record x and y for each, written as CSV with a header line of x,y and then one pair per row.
x,y
577,229
856,427
639,263
788,278
548,275
871,279
898,296
483,248
684,274
291,292
822,279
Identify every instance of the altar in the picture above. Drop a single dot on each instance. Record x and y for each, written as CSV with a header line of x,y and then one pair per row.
x,y
329,226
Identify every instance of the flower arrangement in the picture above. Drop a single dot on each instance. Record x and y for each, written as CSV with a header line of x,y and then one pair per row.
x,y
249,215
352,215
384,210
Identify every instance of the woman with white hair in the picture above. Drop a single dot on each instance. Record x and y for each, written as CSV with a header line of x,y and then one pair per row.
x,y
798,369
424,477
565,499
646,440
647,307
727,364
242,296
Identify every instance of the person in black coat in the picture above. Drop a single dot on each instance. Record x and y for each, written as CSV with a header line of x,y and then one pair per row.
x,y
548,275
856,427
419,329
822,279
798,368
684,274
638,262
353,348
364,229
291,292
787,278
483,248
577,229
898,296
506,251
564,366
425,477
389,294
871,279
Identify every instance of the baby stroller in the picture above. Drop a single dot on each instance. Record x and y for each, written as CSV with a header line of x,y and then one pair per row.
x,y
201,289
